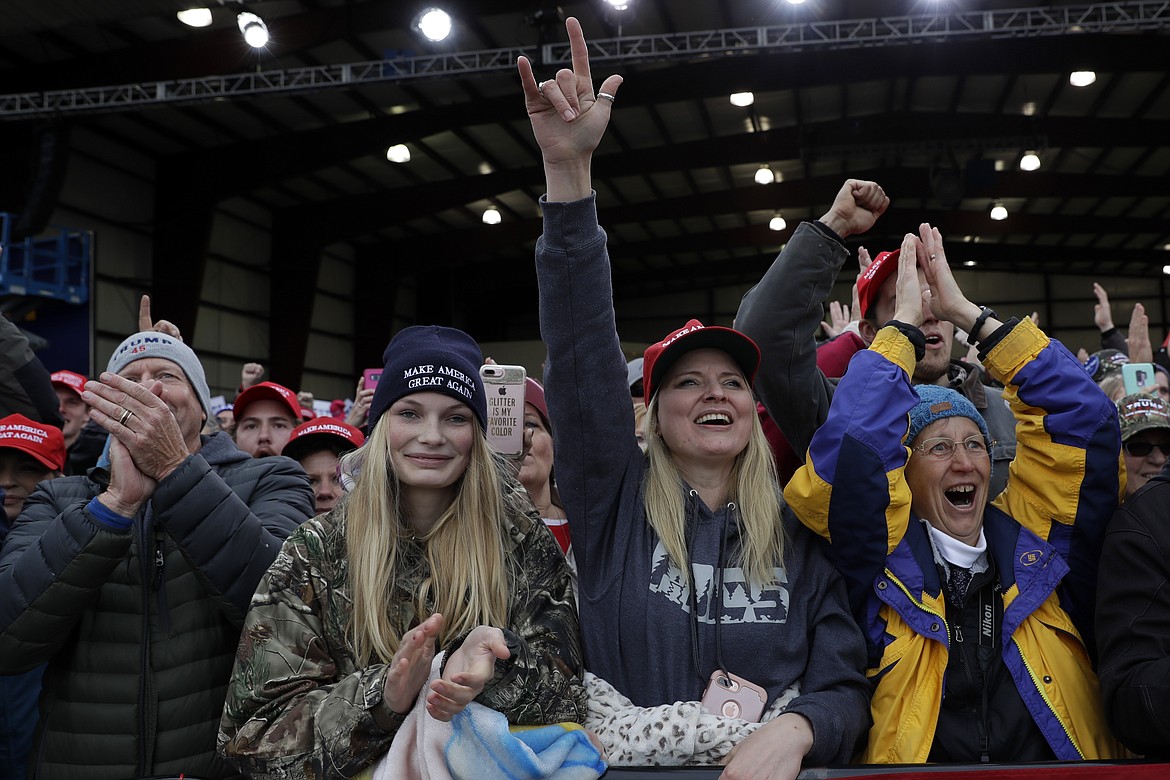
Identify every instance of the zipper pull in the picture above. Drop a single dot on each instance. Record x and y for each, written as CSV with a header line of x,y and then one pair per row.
x,y
958,633
159,563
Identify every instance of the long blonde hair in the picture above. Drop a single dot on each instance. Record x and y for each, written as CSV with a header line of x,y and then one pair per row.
x,y
468,578
753,488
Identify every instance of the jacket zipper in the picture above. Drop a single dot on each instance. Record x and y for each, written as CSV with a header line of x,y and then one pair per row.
x,y
144,645
1043,695
981,716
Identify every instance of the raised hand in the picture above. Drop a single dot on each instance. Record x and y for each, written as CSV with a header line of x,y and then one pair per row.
x,y
909,294
411,665
250,375
360,411
568,118
838,318
162,326
863,260
1138,344
947,301
467,670
856,207
1102,313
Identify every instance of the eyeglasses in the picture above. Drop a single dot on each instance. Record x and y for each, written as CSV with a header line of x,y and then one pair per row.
x,y
1140,449
942,448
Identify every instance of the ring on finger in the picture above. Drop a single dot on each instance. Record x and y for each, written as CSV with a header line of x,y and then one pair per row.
x,y
606,96
540,87
126,415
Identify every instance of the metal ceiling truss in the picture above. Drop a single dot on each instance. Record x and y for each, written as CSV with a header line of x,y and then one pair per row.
x,y
1112,17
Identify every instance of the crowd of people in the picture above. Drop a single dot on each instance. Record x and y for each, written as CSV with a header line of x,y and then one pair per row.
x,y
748,547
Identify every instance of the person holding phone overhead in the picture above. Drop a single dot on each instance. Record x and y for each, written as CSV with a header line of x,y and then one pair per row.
x,y
978,612
437,547
688,570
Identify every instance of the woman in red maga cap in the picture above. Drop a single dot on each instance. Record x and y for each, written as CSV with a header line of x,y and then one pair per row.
x,y
693,585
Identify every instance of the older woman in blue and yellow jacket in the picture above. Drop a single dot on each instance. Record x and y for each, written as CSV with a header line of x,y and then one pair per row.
x,y
976,615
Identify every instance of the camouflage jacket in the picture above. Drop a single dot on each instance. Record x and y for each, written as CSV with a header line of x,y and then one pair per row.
x,y
300,705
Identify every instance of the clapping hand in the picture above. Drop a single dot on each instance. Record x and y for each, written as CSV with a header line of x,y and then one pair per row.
x,y
411,665
468,670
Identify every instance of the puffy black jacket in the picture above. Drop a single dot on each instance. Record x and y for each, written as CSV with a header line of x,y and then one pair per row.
x,y
1133,620
140,627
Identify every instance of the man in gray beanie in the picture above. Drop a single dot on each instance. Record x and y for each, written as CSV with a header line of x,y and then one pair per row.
x,y
132,582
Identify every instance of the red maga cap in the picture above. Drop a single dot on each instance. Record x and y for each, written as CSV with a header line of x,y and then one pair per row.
x,y
70,379
695,335
871,279
306,435
267,391
43,442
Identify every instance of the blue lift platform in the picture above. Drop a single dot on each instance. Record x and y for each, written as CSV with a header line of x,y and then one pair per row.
x,y
53,265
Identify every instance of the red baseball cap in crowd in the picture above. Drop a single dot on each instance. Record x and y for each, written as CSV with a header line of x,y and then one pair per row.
x,y
695,335
43,442
872,277
267,391
321,433
70,379
534,394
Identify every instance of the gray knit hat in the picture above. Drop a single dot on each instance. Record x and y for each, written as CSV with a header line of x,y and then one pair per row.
x,y
153,344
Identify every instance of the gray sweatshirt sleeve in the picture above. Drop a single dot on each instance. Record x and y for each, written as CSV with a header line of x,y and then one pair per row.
x,y
597,458
835,692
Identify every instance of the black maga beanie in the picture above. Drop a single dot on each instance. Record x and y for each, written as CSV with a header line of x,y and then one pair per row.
x,y
431,358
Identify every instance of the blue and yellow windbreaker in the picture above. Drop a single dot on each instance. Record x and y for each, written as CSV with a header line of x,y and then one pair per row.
x,y
1044,532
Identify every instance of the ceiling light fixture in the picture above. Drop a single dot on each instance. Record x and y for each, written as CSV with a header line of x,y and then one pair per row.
x,y
195,17
1030,161
1166,270
742,99
434,24
398,153
796,2
492,216
1082,78
777,222
765,175
999,211
970,263
253,28
618,5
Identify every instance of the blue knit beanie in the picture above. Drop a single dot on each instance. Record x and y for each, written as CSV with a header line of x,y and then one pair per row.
x,y
937,403
431,358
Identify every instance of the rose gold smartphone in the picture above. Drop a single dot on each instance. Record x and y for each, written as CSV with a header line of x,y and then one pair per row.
x,y
732,696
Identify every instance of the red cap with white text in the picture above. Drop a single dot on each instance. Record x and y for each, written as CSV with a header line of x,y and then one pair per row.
x,y
872,277
322,433
69,379
267,391
43,442
695,335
